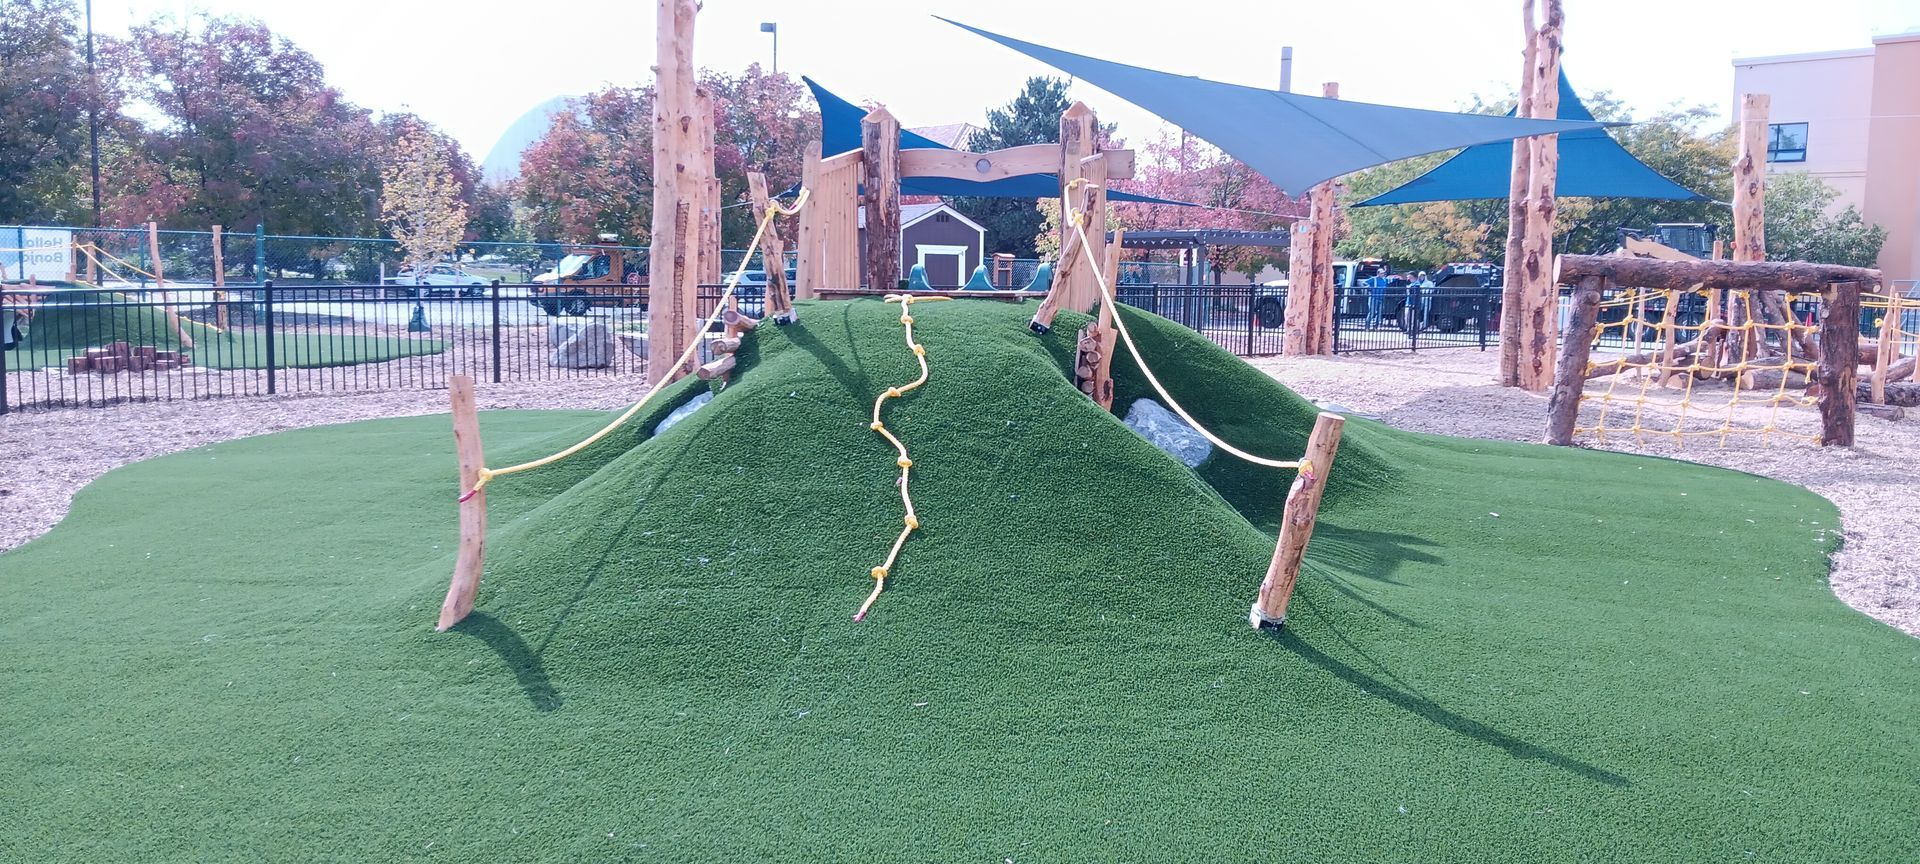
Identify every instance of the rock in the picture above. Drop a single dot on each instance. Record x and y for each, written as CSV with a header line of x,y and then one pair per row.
x,y
1165,430
559,333
591,348
1342,410
680,413
634,342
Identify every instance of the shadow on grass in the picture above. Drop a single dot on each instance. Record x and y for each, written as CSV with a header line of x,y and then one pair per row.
x,y
523,660
1375,555
1414,703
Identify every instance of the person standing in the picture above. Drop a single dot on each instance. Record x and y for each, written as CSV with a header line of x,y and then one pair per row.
x,y
1425,285
1376,300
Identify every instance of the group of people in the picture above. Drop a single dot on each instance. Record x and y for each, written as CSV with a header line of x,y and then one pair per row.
x,y
1377,286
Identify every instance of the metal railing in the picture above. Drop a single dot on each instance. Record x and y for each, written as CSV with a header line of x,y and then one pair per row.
x,y
97,347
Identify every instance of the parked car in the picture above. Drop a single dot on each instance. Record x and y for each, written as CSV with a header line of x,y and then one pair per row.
x,y
440,280
591,277
1463,293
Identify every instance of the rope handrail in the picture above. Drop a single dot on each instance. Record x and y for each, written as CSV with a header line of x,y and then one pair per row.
x,y
486,475
1078,219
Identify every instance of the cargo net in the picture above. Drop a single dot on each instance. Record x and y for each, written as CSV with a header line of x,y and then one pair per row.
x,y
1894,319
1716,365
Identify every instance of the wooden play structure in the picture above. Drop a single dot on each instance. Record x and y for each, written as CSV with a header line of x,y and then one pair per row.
x,y
1310,288
685,251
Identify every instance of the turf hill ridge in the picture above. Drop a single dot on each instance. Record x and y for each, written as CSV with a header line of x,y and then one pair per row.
x,y
1637,660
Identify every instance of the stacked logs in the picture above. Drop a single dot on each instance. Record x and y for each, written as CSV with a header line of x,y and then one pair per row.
x,y
126,357
738,325
1087,365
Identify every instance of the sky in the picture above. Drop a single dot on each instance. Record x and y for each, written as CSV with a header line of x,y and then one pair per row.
x,y
475,66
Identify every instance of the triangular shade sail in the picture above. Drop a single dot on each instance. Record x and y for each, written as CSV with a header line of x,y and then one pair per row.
x,y
1293,140
1592,165
840,132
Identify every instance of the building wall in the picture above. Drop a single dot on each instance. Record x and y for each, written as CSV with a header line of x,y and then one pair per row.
x,y
1831,92
1893,160
941,272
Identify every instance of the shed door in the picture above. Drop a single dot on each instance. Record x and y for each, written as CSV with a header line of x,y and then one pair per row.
x,y
944,264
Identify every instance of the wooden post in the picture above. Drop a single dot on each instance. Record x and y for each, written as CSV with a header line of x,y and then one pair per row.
x,y
1888,350
1079,140
1072,263
1539,299
467,563
1296,524
1512,288
1321,212
1104,331
806,275
219,281
837,204
73,263
672,280
1749,213
1300,330
160,284
708,178
880,159
1837,371
779,306
1570,378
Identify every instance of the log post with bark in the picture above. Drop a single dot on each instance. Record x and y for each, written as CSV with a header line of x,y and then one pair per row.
x,y
880,160
1297,520
779,304
471,557
1837,373
673,268
1570,379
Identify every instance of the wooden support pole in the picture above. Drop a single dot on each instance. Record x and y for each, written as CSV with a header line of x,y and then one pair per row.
x,y
1539,300
880,163
1749,214
1570,377
1296,524
707,177
1297,341
1512,289
807,270
1072,263
1104,331
160,284
468,561
673,263
779,305
219,281
1888,348
1838,370
1789,276
1321,213
1079,140
73,263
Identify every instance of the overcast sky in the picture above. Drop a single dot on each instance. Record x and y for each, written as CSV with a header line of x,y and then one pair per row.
x,y
472,67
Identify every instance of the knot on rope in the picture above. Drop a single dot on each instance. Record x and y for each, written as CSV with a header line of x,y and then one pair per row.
x,y
880,572
876,425
913,521
903,462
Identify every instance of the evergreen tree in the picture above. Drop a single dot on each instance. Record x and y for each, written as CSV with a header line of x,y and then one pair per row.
x,y
1033,117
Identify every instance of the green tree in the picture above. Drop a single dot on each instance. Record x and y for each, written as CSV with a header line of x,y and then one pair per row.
x,y
43,110
1803,225
1033,117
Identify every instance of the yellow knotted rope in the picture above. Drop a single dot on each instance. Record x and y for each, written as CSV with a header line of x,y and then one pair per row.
x,y
720,307
879,573
1078,219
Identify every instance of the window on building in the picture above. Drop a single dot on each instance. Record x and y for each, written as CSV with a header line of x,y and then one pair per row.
x,y
1787,142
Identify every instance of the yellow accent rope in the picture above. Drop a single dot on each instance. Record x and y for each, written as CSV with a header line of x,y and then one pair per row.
x,y
1079,221
486,475
912,520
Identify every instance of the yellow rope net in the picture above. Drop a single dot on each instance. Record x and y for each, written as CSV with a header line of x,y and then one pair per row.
x,y
1679,365
879,573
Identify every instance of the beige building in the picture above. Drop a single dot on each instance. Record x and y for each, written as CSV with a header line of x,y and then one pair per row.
x,y
1853,118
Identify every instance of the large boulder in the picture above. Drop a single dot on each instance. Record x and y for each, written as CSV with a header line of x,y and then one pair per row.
x,y
1168,432
591,348
559,332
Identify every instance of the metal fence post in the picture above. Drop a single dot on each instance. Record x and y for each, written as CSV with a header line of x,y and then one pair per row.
x,y
6,320
1486,311
1250,301
266,302
496,331
259,253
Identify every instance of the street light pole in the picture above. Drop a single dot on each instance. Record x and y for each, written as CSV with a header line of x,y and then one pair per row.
x,y
93,115
765,27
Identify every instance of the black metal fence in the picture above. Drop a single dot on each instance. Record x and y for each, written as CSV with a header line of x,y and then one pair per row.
x,y
96,347
1250,320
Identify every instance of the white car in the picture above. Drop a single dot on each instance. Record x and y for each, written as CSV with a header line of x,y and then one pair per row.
x,y
440,280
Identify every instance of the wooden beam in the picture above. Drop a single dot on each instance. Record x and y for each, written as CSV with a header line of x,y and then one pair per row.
x,y
1512,289
673,264
1079,141
1838,370
807,240
1073,261
468,561
1570,378
1296,524
1002,164
1788,276
1888,348
1104,331
160,284
708,175
779,306
1539,297
840,218
881,164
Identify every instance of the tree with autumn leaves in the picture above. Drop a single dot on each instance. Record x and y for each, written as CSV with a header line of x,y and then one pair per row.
x,y
592,173
420,199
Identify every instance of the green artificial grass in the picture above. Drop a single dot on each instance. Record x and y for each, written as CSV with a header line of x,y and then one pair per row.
x,y
61,330
1498,652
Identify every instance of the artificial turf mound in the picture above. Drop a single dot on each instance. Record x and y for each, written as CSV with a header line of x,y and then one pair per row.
x,y
1635,660
81,321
